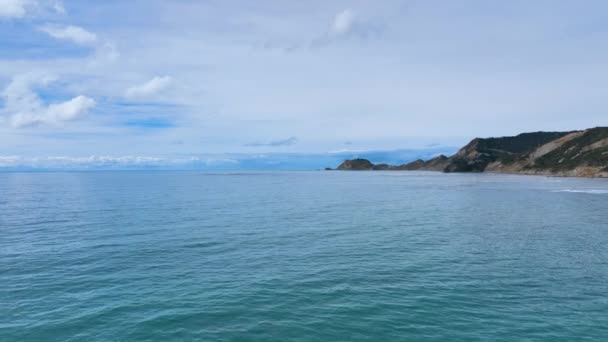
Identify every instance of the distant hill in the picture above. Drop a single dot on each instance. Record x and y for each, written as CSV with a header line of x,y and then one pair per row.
x,y
575,153
358,164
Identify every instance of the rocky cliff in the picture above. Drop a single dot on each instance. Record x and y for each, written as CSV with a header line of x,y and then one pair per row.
x,y
436,164
575,153
356,165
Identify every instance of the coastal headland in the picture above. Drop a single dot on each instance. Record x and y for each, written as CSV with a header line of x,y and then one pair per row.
x,y
575,153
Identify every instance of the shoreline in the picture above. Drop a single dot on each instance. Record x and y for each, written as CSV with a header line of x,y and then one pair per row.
x,y
540,174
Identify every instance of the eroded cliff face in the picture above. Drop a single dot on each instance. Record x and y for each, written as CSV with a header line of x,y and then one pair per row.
x,y
477,155
356,165
576,153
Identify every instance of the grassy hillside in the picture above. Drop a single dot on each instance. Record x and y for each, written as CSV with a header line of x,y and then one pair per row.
x,y
590,149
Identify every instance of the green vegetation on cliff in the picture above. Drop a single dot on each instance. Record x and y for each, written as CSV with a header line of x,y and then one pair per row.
x,y
574,153
356,165
589,149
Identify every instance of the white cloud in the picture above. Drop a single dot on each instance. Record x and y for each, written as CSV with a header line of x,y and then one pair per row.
x,y
24,108
275,143
105,52
116,162
16,9
71,109
58,6
405,58
343,22
13,8
64,161
152,87
74,34
347,25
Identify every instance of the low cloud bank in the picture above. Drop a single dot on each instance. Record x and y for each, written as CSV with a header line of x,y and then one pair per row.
x,y
275,143
267,161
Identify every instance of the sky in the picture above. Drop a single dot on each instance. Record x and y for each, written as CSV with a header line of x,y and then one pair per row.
x,y
217,83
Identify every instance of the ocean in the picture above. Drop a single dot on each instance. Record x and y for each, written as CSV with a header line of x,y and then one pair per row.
x,y
302,256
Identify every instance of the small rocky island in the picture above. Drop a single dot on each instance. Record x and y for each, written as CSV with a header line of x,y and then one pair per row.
x,y
575,153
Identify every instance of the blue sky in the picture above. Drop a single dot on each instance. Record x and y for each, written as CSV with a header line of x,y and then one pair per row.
x,y
149,82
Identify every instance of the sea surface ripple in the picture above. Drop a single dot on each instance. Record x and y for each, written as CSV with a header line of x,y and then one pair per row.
x,y
302,256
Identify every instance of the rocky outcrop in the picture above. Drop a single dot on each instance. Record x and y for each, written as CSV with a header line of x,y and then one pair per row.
x,y
356,165
415,165
479,153
435,164
575,153
583,153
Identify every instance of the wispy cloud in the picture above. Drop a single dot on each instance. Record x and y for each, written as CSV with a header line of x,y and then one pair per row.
x,y
345,25
95,162
16,9
74,34
104,51
386,74
348,25
12,8
24,107
343,22
149,88
275,143
224,161
57,6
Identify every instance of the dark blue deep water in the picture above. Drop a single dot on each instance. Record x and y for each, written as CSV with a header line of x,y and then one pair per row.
x,y
302,256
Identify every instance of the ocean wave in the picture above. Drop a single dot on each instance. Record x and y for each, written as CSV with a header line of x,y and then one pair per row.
x,y
586,191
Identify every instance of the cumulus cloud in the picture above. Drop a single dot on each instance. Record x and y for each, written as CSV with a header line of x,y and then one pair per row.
x,y
74,34
15,9
347,25
274,143
104,51
24,108
343,23
152,87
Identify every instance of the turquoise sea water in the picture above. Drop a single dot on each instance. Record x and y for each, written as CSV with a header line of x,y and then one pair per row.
x,y
302,256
